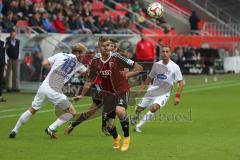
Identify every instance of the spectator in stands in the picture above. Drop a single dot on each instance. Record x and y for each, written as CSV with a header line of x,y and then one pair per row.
x,y
23,10
27,69
141,18
81,25
50,6
12,51
59,23
89,23
69,9
35,22
37,64
14,7
159,49
109,25
163,23
130,15
135,6
177,57
86,11
7,23
46,23
193,20
2,68
58,8
121,22
73,24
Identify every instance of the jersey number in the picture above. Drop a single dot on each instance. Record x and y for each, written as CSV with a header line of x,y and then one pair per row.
x,y
68,66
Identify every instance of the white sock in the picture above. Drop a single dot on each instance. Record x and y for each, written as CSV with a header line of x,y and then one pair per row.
x,y
61,120
145,118
22,120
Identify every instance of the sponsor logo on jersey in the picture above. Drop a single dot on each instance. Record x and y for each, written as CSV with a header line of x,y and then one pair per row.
x,y
121,101
161,76
105,72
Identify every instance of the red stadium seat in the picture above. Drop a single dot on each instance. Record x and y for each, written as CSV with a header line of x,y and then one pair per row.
x,y
119,6
115,14
22,23
97,6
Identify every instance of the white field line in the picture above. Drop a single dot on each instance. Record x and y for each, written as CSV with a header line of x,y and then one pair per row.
x,y
186,87
188,91
43,111
210,87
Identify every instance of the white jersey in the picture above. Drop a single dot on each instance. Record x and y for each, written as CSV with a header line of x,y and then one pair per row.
x,y
63,66
163,77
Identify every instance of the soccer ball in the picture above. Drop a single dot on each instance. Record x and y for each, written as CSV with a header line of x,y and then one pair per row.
x,y
155,10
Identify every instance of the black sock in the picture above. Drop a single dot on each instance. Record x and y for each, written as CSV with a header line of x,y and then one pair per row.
x,y
81,118
103,122
113,132
125,126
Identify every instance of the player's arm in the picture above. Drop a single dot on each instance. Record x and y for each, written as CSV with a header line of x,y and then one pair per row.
x,y
87,85
46,64
179,92
147,81
144,86
89,81
179,79
137,68
134,67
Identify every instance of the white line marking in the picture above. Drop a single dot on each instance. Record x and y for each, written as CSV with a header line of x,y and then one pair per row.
x,y
188,91
43,111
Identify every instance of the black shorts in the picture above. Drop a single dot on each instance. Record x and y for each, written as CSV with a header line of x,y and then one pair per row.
x,y
110,101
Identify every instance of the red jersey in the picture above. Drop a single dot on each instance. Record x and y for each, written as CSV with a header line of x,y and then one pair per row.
x,y
109,72
145,50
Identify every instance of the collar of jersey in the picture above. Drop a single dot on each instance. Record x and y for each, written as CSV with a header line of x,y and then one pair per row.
x,y
107,59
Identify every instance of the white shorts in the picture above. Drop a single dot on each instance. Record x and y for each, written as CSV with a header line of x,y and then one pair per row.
x,y
147,101
46,93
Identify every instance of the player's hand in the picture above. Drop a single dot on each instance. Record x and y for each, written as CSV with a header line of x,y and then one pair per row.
x,y
124,74
78,98
176,101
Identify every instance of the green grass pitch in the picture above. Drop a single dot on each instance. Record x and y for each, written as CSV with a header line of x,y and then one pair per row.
x,y
204,126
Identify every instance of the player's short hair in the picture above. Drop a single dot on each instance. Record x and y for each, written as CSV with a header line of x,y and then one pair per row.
x,y
113,40
102,40
79,47
166,46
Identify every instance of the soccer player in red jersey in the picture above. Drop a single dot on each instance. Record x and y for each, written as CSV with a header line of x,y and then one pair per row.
x,y
114,71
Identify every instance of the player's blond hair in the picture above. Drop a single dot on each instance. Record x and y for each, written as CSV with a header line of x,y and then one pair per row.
x,y
79,47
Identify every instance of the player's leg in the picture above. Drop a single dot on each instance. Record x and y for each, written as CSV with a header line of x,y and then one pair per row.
x,y
61,102
110,102
81,117
144,103
110,126
138,111
158,103
104,125
124,120
36,104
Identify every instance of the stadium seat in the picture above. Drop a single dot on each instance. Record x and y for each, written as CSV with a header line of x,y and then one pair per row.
x,y
119,6
22,23
115,14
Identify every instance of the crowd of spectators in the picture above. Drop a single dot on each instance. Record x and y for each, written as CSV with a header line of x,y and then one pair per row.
x,y
61,16
71,16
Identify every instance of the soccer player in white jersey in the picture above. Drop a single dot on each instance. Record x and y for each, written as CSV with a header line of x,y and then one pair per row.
x,y
62,67
163,74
